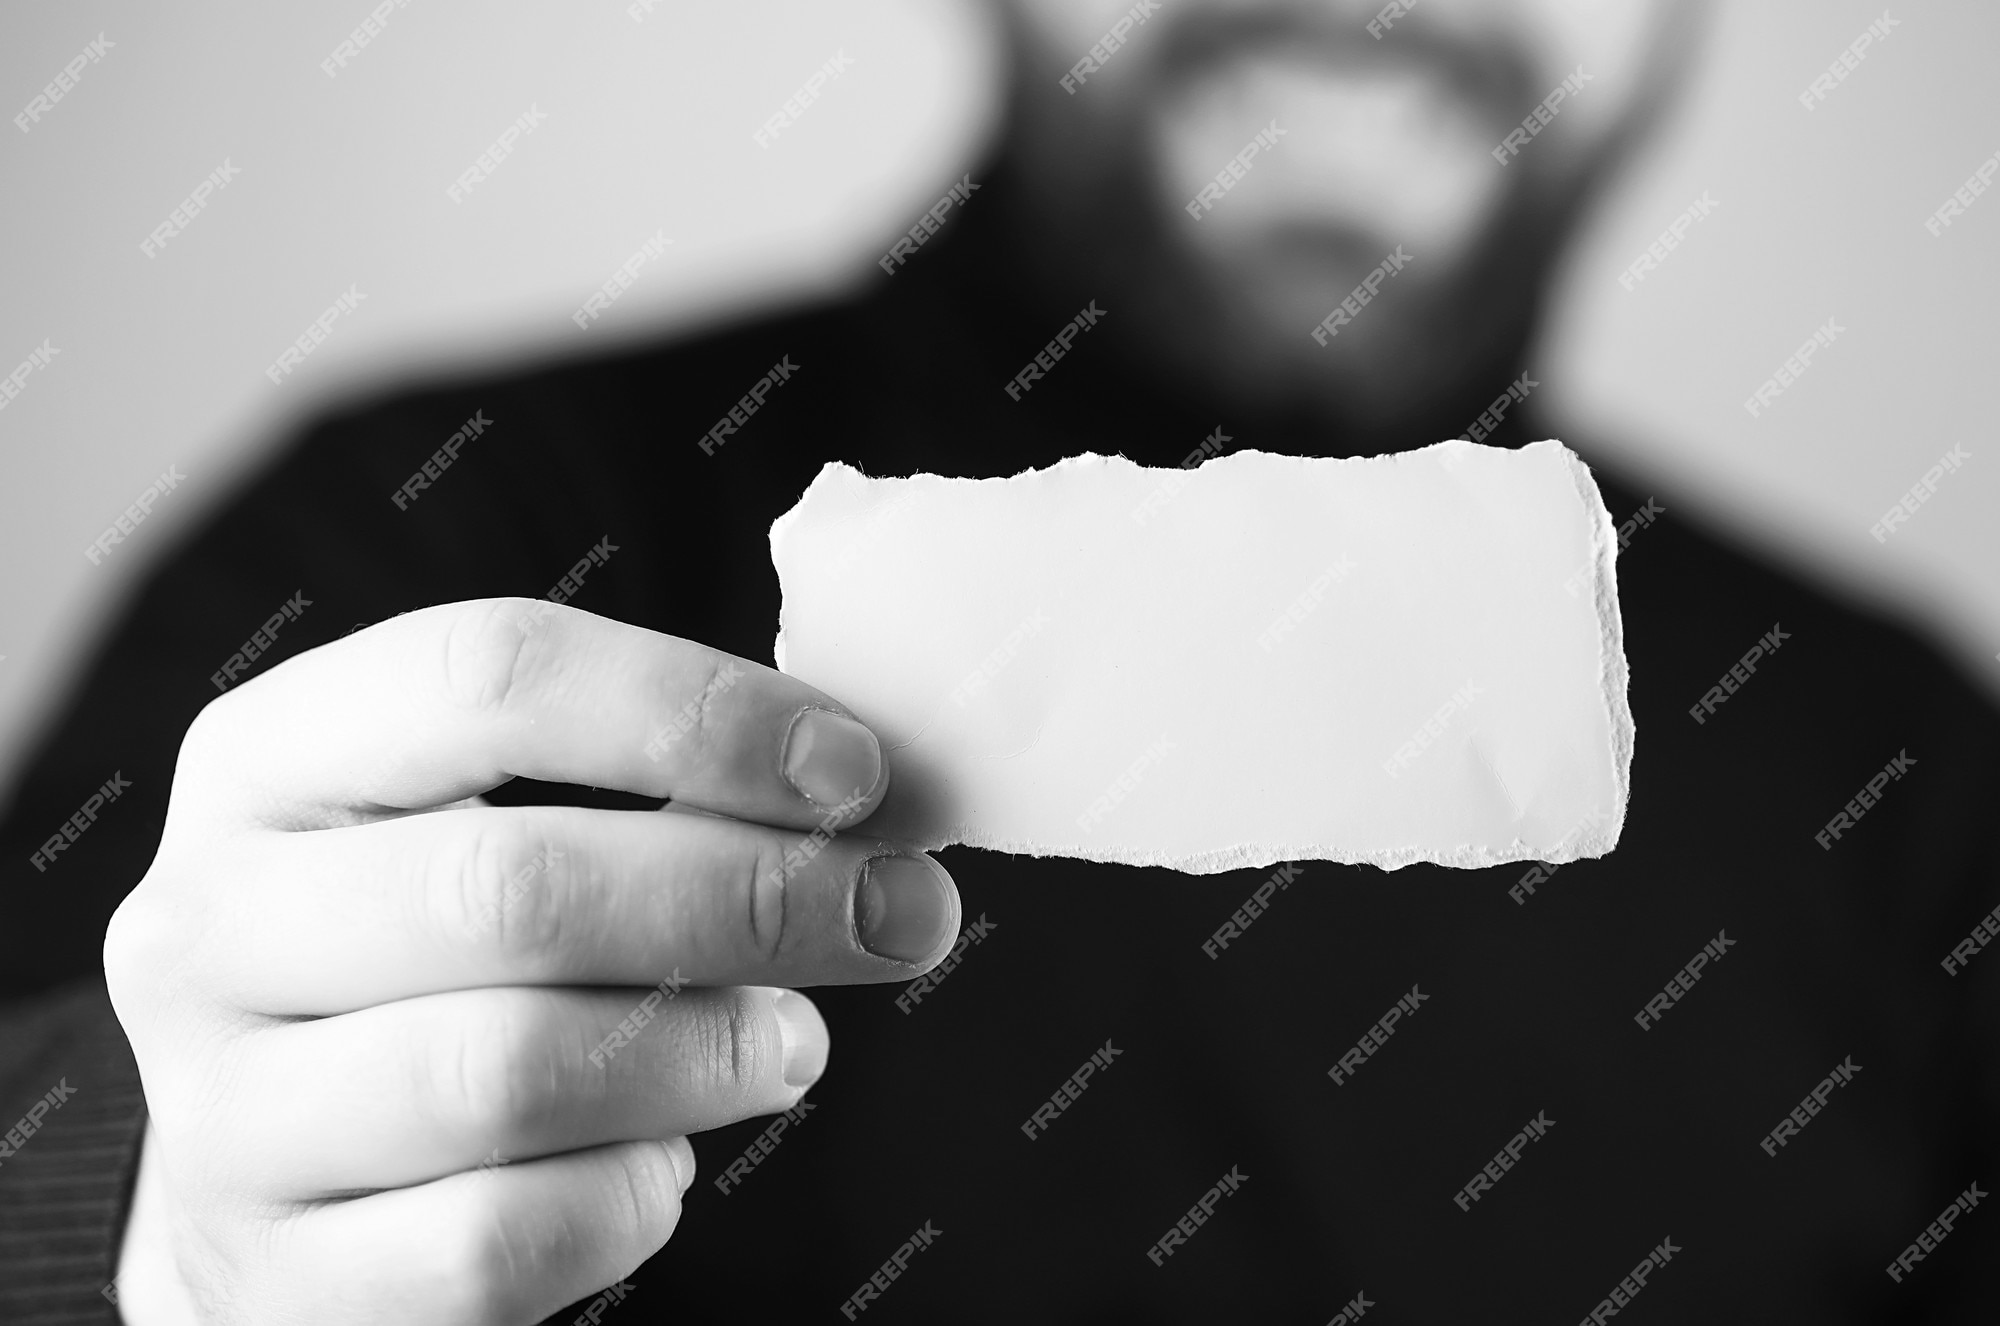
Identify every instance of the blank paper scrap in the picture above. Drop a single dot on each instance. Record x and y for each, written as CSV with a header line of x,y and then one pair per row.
x,y
1387,659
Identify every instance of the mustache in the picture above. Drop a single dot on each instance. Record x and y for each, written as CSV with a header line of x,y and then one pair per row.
x,y
1496,76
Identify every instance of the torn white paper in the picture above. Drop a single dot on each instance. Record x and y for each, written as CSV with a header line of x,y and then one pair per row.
x,y
1387,659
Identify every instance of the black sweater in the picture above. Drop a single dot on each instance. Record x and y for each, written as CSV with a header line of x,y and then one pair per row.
x,y
1832,954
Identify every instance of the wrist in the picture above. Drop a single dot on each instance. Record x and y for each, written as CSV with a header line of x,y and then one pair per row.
x,y
148,1289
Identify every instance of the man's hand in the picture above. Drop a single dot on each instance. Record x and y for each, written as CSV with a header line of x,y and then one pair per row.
x,y
414,1058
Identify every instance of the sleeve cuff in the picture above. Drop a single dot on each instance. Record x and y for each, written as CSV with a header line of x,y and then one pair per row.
x,y
74,1116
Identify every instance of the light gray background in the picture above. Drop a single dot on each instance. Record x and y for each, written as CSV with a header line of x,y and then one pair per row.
x,y
649,125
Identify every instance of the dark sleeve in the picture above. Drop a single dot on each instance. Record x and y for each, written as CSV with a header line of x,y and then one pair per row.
x,y
74,1115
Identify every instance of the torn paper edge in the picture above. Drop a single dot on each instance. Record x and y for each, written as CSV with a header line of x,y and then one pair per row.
x,y
1595,837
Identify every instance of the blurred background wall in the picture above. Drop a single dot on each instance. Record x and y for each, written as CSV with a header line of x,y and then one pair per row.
x,y
643,115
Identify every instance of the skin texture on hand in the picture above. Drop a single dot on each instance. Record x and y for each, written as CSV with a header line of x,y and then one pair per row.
x,y
409,1056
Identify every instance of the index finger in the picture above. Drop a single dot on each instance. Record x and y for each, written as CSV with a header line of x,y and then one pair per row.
x,y
447,702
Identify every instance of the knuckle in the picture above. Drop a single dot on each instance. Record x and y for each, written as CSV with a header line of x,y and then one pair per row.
x,y
162,941
482,1265
492,650
497,1073
476,1259
759,899
215,741
500,893
132,947
703,732
689,738
732,1054
212,725
651,1199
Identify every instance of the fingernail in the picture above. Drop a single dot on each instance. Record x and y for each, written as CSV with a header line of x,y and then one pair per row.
x,y
804,1034
830,758
902,908
681,1152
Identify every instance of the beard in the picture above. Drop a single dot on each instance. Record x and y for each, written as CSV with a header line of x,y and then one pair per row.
x,y
1384,149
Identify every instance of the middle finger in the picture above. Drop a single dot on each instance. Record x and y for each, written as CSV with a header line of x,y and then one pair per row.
x,y
557,895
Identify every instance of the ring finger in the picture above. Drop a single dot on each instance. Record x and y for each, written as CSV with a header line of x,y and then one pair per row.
x,y
407,1092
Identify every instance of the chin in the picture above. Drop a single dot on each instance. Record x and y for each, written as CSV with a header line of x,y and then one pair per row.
x,y
1395,365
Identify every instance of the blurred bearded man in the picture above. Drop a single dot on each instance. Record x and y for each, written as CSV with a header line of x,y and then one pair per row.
x,y
1540,1134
